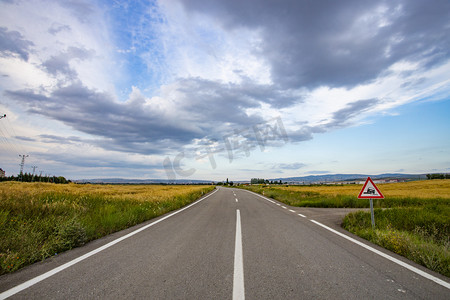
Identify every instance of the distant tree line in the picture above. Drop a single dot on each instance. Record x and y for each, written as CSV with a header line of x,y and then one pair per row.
x,y
438,176
264,181
27,177
229,183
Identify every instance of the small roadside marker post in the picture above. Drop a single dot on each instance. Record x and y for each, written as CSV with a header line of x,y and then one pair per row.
x,y
370,191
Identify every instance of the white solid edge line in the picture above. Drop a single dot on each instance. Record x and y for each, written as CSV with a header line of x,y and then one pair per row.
x,y
262,197
46,275
395,260
302,215
238,276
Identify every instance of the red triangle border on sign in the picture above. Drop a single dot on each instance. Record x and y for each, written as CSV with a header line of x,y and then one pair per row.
x,y
380,195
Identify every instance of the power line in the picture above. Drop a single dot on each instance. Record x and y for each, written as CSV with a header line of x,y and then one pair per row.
x,y
34,169
14,134
22,164
4,133
8,145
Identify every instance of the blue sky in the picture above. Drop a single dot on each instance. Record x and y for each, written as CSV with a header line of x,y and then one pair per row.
x,y
224,89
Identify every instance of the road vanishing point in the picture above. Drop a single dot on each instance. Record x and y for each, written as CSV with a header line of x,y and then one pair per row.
x,y
230,244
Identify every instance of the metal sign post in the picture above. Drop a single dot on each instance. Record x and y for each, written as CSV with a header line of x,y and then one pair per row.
x,y
370,191
372,215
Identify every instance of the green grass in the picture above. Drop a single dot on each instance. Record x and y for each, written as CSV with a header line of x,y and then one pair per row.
x,y
39,220
420,234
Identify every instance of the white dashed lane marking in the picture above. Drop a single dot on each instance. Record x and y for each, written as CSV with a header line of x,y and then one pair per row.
x,y
291,210
238,277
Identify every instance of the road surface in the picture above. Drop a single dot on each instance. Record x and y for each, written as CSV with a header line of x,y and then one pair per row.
x,y
229,245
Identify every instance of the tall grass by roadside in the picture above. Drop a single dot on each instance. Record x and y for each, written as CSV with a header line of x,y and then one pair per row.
x,y
420,234
38,220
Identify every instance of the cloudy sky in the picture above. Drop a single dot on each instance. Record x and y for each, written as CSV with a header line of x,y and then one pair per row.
x,y
210,89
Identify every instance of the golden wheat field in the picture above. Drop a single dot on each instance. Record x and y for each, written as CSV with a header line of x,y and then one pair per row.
x,y
415,189
123,192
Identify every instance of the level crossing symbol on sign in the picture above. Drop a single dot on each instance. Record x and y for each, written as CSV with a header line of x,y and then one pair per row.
x,y
370,191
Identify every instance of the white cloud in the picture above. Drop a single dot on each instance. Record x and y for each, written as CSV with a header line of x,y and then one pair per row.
x,y
90,33
197,46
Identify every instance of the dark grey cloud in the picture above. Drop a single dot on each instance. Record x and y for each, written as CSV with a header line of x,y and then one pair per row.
x,y
48,138
98,114
13,43
291,166
339,119
56,28
343,116
204,110
81,9
93,161
305,133
25,138
337,43
318,172
59,64
220,102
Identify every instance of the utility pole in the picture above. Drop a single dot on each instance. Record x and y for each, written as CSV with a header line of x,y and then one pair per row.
x,y
40,176
21,165
34,169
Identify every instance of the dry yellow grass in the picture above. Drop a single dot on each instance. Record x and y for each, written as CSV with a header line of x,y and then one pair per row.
x,y
414,189
123,192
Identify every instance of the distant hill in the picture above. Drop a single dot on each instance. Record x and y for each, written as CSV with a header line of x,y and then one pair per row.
x,y
306,179
349,177
141,181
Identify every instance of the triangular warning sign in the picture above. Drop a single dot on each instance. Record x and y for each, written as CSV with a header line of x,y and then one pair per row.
x,y
370,190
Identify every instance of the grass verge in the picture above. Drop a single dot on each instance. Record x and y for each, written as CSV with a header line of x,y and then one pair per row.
x,y
419,234
38,220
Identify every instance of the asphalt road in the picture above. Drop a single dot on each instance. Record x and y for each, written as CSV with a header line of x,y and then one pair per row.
x,y
229,245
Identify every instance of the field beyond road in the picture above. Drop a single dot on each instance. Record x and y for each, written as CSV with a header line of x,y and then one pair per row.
x,y
413,220
402,194
421,189
39,220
